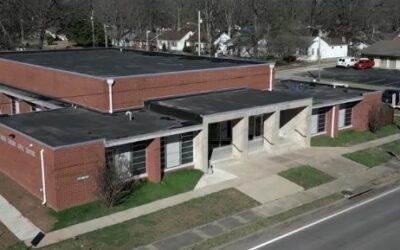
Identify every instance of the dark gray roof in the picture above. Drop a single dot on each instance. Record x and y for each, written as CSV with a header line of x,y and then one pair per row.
x,y
196,106
321,93
70,126
390,48
111,62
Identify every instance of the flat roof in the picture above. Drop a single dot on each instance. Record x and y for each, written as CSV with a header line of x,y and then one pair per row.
x,y
321,93
196,106
114,63
68,126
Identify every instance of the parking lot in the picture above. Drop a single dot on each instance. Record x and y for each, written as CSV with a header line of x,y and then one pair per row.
x,y
377,77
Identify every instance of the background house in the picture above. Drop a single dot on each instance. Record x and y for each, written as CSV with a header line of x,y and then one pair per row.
x,y
330,48
175,40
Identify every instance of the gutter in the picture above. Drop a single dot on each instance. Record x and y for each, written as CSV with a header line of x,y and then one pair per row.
x,y
333,122
110,83
271,76
43,177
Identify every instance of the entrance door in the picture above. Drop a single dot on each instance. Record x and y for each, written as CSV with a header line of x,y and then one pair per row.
x,y
220,134
256,127
172,151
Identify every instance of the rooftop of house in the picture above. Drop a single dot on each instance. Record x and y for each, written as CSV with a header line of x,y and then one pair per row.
x,y
196,106
322,94
390,48
68,126
114,63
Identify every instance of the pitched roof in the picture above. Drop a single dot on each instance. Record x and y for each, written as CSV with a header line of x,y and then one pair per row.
x,y
389,48
173,35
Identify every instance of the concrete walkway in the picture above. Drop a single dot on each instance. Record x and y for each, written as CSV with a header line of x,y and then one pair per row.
x,y
20,226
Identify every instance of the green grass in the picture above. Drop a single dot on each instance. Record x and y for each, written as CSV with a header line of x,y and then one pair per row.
x,y
350,138
306,176
371,157
248,229
172,184
375,156
161,224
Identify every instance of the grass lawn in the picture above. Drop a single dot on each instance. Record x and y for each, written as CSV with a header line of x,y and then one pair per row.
x,y
161,224
306,176
373,157
172,184
349,138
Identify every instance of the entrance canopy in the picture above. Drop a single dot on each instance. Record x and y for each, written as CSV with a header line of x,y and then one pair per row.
x,y
197,107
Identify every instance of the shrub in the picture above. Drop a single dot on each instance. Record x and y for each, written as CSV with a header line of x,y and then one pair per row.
x,y
380,116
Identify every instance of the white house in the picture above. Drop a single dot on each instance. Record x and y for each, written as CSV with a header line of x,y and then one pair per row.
x,y
174,40
330,48
222,44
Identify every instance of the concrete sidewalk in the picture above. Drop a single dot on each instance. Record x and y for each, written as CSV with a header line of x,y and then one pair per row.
x,y
20,226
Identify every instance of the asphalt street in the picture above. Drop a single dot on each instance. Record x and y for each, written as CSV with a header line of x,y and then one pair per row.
x,y
376,77
375,225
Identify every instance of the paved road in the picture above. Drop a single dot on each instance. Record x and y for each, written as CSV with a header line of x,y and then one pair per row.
x,y
375,225
376,77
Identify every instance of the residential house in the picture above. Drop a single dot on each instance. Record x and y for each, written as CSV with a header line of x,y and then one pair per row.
x,y
308,47
222,44
174,40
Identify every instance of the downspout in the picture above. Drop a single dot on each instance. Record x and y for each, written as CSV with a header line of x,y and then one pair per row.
x,y
271,76
333,122
43,177
110,83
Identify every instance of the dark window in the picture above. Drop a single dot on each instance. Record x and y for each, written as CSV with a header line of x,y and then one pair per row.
x,y
128,160
186,149
256,126
347,117
321,120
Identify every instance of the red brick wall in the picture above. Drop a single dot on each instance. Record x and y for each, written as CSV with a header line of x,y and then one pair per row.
x,y
153,161
133,91
362,109
23,168
85,90
62,168
128,91
24,107
71,163
5,104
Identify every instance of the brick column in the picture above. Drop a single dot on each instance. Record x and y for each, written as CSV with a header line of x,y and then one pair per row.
x,y
153,161
332,121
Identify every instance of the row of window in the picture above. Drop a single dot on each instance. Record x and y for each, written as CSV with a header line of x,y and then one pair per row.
x,y
319,116
130,160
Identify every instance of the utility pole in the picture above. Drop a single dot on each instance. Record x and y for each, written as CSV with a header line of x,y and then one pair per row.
x,y
92,22
200,21
319,54
22,33
105,35
147,40
179,19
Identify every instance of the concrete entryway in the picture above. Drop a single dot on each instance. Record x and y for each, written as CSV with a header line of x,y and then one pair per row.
x,y
270,188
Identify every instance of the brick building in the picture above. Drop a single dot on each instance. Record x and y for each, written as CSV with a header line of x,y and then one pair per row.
x,y
68,114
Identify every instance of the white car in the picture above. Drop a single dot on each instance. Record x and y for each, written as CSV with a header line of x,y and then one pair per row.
x,y
346,62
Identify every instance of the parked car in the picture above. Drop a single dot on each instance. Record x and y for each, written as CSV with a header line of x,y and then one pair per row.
x,y
346,62
364,63
387,96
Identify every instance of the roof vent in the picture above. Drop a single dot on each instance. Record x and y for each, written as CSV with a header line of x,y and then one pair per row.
x,y
166,118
